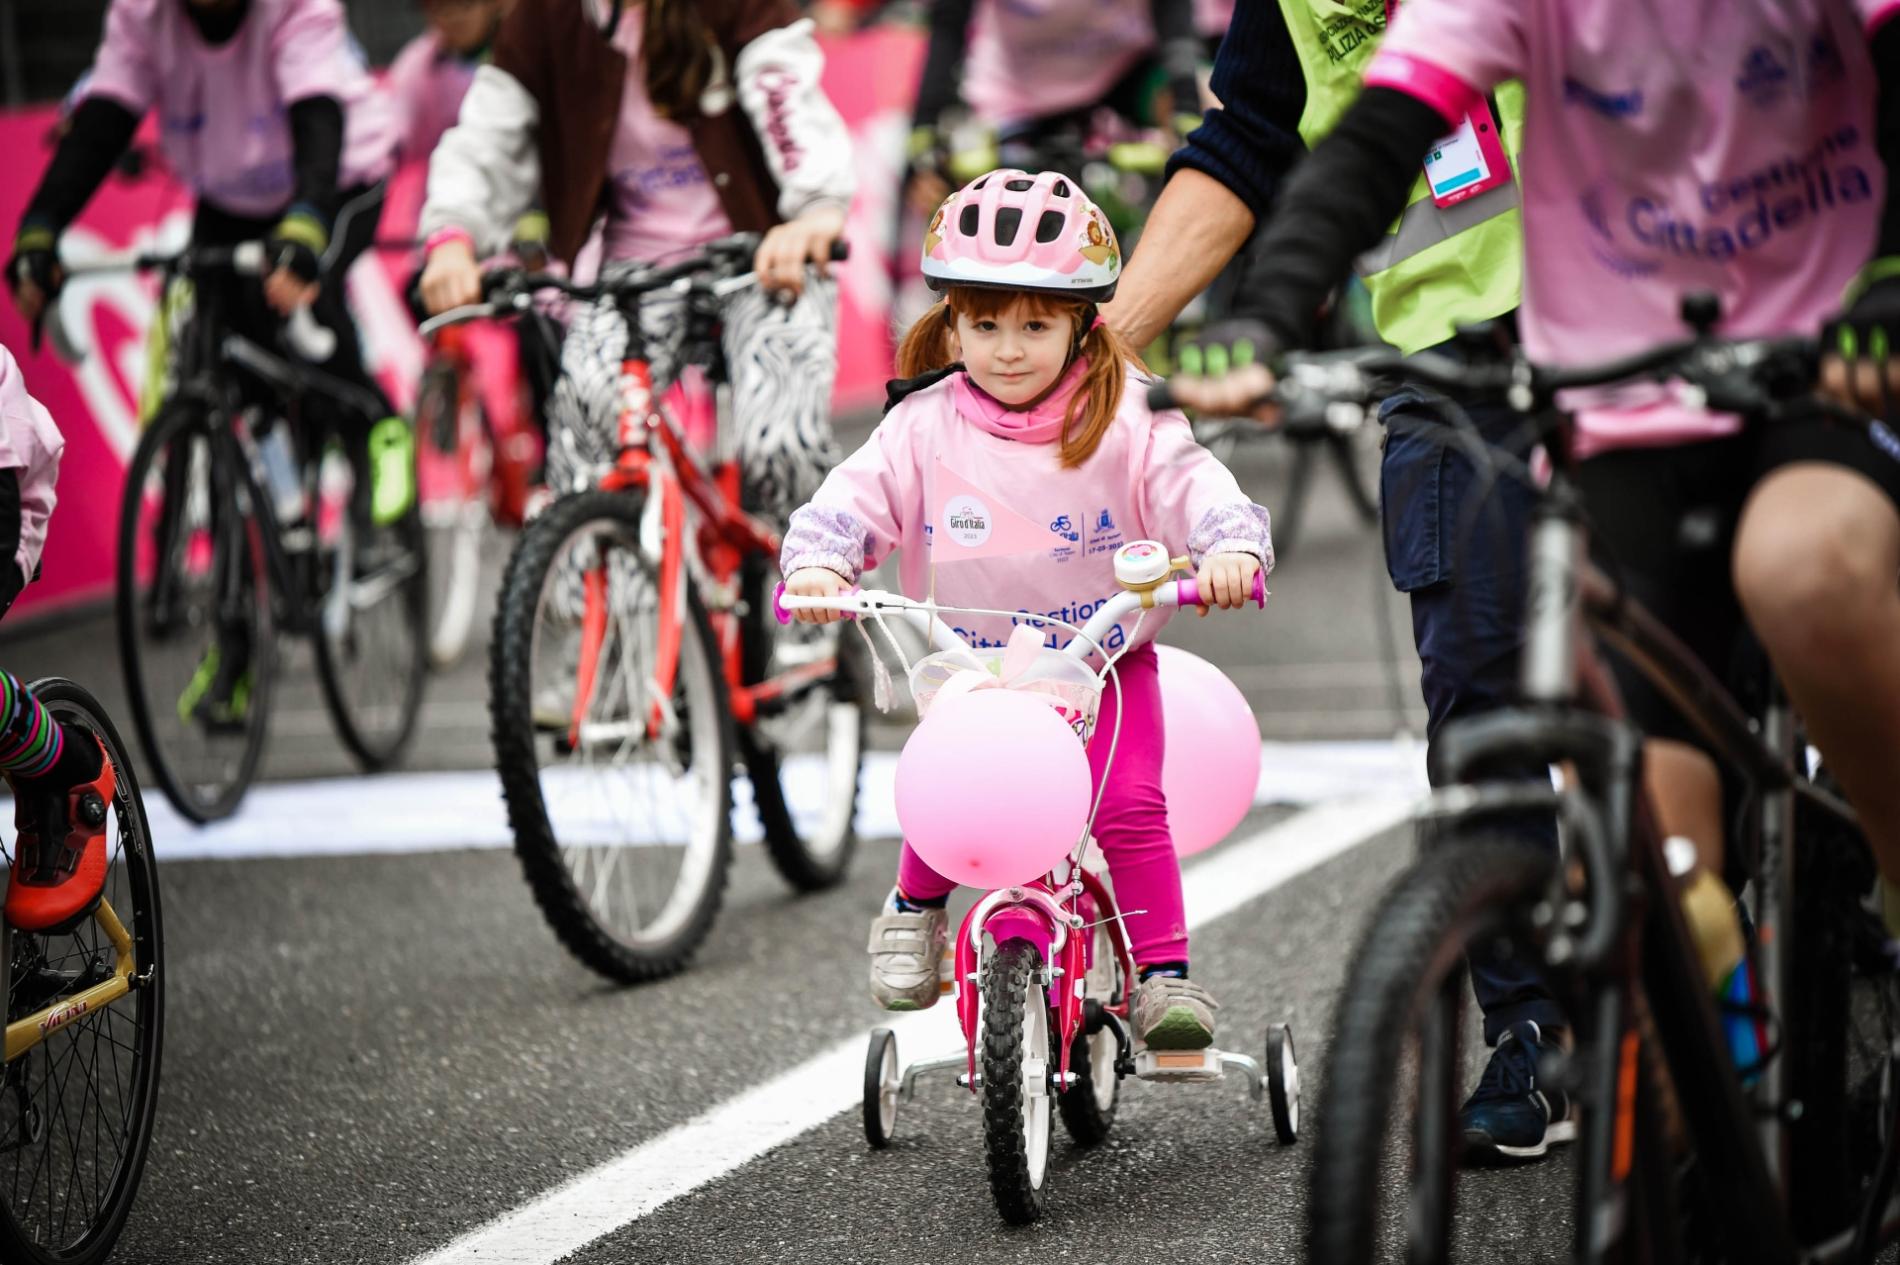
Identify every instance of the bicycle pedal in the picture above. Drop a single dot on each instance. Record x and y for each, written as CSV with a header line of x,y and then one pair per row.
x,y
1178,1065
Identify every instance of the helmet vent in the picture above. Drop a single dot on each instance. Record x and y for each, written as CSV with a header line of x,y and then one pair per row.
x,y
1062,189
966,222
1020,186
1008,221
1049,227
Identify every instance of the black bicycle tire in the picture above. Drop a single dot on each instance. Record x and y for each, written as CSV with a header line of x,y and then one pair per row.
x,y
1413,939
512,732
67,699
374,757
176,416
1007,981
794,859
1087,1121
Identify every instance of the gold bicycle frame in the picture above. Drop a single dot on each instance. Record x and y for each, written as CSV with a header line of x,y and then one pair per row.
x,y
24,1034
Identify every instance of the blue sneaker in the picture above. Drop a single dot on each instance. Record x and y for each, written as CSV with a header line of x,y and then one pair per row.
x,y
1510,1116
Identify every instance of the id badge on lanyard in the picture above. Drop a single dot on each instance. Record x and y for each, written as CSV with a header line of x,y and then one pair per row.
x,y
1471,160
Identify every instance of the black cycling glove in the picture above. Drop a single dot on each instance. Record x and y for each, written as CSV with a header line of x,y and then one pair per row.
x,y
36,259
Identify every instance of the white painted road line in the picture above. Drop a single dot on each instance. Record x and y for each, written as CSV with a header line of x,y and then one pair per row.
x,y
745,1127
432,812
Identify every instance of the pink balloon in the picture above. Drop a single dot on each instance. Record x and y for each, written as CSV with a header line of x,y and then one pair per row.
x,y
1212,763
993,788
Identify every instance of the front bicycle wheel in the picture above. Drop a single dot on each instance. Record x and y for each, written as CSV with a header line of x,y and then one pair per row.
x,y
612,737
454,462
804,751
193,609
77,1106
1377,1193
1017,1112
372,631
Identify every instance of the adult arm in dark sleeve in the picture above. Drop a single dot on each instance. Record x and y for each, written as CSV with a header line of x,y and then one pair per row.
x,y
943,61
316,141
101,131
1222,181
1886,52
11,579
1338,205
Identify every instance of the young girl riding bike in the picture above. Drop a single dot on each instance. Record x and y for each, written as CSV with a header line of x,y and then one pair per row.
x,y
1017,387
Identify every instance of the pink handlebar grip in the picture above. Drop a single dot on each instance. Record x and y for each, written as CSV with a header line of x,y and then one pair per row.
x,y
1190,591
785,616
1260,588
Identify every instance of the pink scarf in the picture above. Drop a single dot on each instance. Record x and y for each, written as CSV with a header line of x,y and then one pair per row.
x,y
1039,424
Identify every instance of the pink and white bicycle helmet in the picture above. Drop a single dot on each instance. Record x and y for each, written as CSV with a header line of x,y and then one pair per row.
x,y
1013,231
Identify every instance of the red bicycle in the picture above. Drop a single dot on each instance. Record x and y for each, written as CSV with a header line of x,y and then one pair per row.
x,y
635,655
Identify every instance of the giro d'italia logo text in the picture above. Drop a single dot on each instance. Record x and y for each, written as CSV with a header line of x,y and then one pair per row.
x,y
968,521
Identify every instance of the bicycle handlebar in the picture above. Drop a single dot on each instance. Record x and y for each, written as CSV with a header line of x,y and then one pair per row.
x,y
308,339
1174,593
506,290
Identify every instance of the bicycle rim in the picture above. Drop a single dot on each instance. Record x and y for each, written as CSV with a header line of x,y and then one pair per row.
x,y
619,791
372,639
76,1111
189,549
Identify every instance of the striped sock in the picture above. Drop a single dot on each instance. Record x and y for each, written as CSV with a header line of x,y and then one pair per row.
x,y
30,739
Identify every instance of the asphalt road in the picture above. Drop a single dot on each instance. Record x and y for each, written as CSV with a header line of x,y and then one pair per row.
x,y
368,1057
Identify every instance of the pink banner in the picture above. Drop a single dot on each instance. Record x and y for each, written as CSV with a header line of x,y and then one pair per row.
x,y
871,77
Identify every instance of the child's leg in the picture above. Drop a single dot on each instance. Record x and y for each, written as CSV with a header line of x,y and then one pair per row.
x,y
908,935
918,884
1132,826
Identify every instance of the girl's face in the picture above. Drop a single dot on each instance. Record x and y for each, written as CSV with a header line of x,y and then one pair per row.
x,y
1017,354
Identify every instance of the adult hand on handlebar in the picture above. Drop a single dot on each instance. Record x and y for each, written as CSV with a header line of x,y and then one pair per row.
x,y
451,278
33,273
816,582
1861,367
1227,578
787,249
1222,372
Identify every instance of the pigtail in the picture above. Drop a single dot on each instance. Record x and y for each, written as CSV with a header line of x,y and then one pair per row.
x,y
1093,407
929,344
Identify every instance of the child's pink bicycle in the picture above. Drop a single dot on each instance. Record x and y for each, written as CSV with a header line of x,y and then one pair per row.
x,y
1041,969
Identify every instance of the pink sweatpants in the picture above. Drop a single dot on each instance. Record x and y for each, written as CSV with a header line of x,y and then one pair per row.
x,y
1132,826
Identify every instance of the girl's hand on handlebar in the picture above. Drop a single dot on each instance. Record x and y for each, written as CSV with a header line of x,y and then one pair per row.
x,y
816,582
451,278
787,249
1226,579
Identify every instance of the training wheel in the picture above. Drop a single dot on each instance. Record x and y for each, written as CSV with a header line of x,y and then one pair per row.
x,y
881,1083
1283,1083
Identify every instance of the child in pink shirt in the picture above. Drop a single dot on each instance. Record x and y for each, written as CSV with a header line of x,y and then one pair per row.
x,y
1027,395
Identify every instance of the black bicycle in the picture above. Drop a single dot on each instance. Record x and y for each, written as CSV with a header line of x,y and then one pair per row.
x,y
242,516
1682,1155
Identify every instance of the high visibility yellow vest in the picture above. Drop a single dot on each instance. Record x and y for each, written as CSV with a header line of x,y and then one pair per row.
x,y
1438,268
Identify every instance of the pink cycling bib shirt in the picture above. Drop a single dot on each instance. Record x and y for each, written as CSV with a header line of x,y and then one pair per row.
x,y
223,110
1670,146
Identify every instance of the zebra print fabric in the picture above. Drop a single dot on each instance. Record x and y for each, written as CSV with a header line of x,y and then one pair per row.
x,y
782,362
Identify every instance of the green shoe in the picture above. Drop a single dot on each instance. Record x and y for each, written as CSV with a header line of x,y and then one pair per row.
x,y
392,467
215,702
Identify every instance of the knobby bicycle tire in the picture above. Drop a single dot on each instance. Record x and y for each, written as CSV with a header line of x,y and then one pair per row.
x,y
510,689
1414,944
1009,988
100,1230
174,424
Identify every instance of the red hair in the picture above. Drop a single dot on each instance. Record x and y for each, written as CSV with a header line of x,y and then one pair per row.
x,y
930,344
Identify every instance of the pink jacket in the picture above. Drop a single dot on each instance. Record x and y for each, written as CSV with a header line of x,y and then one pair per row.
x,y
31,445
426,84
1147,480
